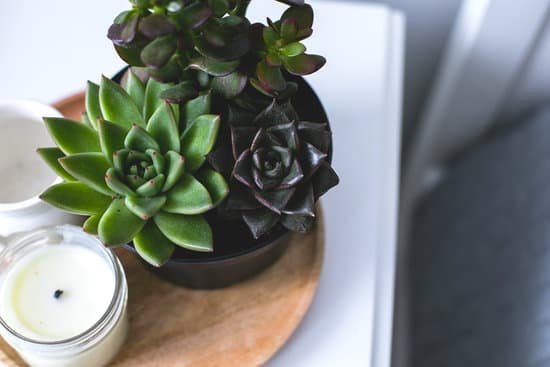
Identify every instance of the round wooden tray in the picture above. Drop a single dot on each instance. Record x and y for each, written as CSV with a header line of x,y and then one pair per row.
x,y
243,325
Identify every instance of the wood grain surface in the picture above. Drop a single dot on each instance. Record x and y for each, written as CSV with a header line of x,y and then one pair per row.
x,y
243,325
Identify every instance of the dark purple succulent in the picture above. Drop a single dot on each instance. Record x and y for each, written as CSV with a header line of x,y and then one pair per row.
x,y
281,167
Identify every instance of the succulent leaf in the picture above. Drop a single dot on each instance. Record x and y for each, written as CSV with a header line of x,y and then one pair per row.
x,y
293,49
175,167
51,157
136,89
302,15
260,221
298,223
138,139
180,93
86,120
117,106
230,86
195,14
151,187
153,246
115,184
145,208
188,231
270,77
76,198
157,53
88,168
214,183
304,64
72,136
156,25
93,108
197,107
91,224
188,196
153,90
199,139
118,225
214,67
111,137
162,126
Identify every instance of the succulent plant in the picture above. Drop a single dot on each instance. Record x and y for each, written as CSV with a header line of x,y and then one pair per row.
x,y
135,167
280,48
280,168
210,45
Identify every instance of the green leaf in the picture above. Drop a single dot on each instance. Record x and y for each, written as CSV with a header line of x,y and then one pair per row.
x,y
92,103
151,187
117,106
214,183
85,119
271,77
198,140
293,49
270,36
136,89
230,86
88,168
91,224
189,196
119,225
111,138
153,246
196,107
114,183
180,93
157,53
76,198
153,89
302,15
51,156
175,165
304,64
163,128
140,140
72,136
214,67
289,28
145,208
188,231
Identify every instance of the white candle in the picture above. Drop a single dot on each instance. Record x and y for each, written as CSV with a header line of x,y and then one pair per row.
x,y
62,299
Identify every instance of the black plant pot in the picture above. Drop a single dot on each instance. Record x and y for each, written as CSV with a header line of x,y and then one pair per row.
x,y
237,255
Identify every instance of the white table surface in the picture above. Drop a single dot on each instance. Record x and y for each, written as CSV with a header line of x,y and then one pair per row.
x,y
48,49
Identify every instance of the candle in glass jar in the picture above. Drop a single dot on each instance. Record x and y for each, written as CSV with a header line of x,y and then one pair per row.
x,y
56,292
62,299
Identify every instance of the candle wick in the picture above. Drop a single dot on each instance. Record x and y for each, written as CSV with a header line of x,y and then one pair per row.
x,y
57,293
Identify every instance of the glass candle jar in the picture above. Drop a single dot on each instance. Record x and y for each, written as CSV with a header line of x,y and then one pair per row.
x,y
63,298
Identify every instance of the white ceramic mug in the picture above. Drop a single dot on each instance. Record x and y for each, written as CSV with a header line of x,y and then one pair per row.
x,y
24,175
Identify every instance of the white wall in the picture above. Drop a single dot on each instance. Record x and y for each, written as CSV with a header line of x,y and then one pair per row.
x,y
533,85
428,25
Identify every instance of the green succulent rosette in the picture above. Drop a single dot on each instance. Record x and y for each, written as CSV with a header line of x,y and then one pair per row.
x,y
135,166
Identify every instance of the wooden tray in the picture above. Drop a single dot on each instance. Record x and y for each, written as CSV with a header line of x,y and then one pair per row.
x,y
241,326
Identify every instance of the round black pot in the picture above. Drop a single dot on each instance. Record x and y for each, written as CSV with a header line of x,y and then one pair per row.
x,y
237,255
